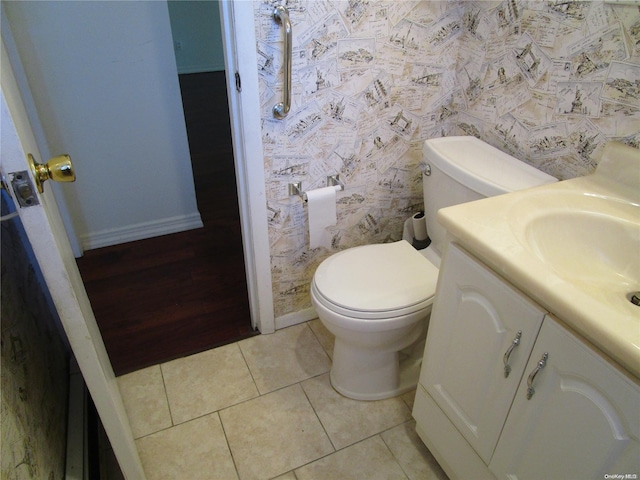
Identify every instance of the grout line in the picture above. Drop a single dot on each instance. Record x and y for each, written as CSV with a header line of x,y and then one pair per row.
x,y
253,379
166,397
379,434
226,439
317,339
308,323
396,459
317,416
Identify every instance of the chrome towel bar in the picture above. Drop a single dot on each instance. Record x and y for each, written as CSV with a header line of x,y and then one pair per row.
x,y
281,15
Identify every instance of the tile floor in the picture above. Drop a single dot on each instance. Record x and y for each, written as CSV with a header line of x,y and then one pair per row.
x,y
264,408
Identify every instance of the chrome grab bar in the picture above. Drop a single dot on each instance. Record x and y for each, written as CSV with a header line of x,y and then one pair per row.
x,y
281,15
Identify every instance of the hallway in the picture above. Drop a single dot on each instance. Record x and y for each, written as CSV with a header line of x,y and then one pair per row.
x,y
166,297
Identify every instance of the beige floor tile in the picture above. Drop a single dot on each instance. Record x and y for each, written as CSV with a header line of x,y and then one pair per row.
x,y
193,450
283,358
369,459
145,401
206,382
412,454
324,336
348,421
274,434
286,476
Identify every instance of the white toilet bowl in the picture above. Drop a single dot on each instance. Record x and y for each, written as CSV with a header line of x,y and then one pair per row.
x,y
375,310
376,299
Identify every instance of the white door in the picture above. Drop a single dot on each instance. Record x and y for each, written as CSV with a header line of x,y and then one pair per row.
x,y
52,249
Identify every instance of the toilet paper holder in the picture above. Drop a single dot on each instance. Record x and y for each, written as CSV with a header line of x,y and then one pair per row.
x,y
295,188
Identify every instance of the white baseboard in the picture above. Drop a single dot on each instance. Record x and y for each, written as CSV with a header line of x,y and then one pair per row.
x,y
295,318
131,233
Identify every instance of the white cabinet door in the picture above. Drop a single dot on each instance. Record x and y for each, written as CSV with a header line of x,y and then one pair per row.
x,y
475,320
583,421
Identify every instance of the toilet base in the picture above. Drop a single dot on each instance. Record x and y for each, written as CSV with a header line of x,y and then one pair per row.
x,y
369,375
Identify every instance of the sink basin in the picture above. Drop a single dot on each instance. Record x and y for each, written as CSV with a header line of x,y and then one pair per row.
x,y
591,241
587,247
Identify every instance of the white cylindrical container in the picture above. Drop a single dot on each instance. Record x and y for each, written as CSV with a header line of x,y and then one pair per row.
x,y
419,227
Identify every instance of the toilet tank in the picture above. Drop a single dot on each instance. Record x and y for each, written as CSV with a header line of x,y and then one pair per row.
x,y
464,169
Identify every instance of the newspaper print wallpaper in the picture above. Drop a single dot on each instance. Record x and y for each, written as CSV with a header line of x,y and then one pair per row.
x,y
549,82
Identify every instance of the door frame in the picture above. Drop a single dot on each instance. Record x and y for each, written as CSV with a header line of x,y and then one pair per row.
x,y
239,42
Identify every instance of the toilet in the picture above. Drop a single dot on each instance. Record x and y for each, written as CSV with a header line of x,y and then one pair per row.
x,y
376,299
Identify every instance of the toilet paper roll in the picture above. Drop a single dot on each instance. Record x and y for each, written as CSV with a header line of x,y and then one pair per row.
x,y
419,226
321,204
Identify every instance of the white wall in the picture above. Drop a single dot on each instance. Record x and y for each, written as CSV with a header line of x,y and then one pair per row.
x,y
197,37
104,81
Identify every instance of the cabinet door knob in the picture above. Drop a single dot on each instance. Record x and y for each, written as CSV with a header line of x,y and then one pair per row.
x,y
532,376
507,354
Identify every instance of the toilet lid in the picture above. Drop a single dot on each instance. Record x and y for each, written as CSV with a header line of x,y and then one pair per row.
x,y
375,278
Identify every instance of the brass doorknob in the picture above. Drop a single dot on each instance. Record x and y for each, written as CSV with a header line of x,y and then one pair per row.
x,y
58,169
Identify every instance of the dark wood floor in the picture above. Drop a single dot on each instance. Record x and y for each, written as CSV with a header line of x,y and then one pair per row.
x,y
171,296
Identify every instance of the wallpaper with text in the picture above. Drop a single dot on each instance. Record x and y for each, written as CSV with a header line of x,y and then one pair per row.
x,y
549,82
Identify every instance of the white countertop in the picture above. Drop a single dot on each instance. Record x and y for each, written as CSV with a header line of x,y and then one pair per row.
x,y
492,229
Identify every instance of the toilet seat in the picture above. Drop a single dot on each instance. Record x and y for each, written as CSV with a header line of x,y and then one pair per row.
x,y
378,281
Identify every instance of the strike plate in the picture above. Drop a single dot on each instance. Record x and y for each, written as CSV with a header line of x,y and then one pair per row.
x,y
23,189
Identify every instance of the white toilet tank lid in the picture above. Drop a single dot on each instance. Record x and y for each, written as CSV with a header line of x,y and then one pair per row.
x,y
482,167
380,277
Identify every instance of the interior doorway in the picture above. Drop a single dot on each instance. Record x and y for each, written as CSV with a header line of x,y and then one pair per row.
x,y
179,294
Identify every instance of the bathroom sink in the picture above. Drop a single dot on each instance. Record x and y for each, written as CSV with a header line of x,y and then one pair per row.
x,y
573,247
589,240
587,246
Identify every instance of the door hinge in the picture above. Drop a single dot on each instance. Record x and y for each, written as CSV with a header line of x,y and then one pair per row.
x,y
238,82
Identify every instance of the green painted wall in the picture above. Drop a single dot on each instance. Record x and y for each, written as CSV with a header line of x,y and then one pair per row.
x,y
197,36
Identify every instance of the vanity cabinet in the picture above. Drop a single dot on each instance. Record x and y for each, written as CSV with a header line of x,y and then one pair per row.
x,y
481,327
487,345
581,421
